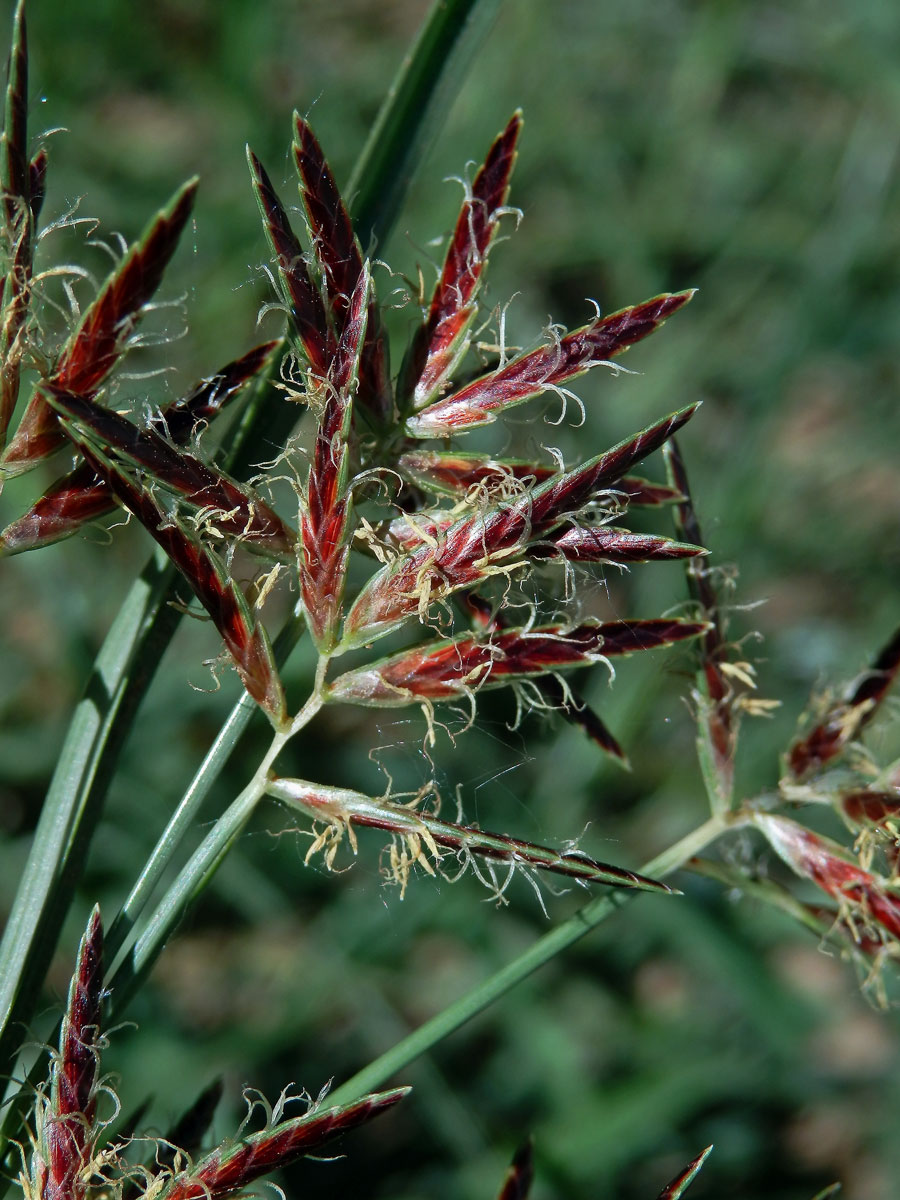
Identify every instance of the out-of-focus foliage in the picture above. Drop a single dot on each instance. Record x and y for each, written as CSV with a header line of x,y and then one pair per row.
x,y
746,149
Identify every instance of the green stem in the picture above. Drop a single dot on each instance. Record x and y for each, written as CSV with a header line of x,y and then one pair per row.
x,y
484,994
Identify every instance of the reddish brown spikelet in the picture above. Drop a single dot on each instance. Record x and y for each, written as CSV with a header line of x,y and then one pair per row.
x,y
81,496
826,864
467,551
676,1187
646,493
549,367
718,734
244,638
605,543
100,339
844,721
578,712
442,341
73,1100
446,670
19,217
454,474
870,807
519,1177
340,258
342,809
233,1167
325,524
233,509
304,303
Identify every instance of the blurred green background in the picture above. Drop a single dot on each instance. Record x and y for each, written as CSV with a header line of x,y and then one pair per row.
x,y
749,150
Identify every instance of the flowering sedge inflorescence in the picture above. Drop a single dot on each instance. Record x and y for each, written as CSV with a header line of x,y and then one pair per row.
x,y
447,550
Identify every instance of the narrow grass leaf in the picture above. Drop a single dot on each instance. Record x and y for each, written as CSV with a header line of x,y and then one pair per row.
x,y
846,719
476,546
325,523
234,1166
101,336
545,369
301,296
422,836
442,341
446,670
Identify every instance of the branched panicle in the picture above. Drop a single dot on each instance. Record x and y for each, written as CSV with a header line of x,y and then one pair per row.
x,y
442,340
466,552
325,523
67,1124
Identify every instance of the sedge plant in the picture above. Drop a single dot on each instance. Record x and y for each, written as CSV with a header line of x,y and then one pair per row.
x,y
419,568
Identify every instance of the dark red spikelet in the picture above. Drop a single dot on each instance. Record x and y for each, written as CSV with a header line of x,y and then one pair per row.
x,y
234,510
606,543
480,402
245,639
676,1187
100,339
446,670
872,807
844,721
304,303
442,341
81,496
18,225
519,1177
453,474
325,524
340,258
471,548
73,1099
233,1167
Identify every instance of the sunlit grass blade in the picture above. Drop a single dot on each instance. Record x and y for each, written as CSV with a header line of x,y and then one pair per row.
x,y
442,341
102,334
420,837
546,369
302,299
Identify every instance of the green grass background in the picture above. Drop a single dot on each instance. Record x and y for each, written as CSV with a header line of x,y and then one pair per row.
x,y
750,150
